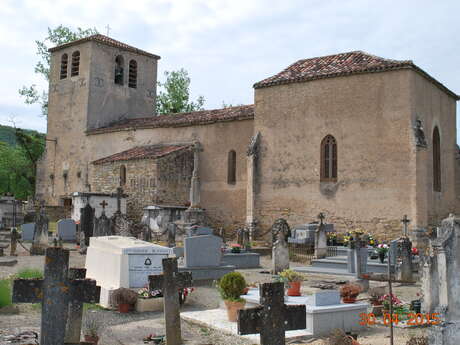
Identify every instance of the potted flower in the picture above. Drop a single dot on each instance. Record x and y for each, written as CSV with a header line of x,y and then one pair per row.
x,y
349,292
294,281
125,299
235,248
231,286
385,300
382,250
92,326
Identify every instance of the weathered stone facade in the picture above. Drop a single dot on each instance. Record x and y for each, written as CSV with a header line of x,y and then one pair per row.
x,y
165,180
382,171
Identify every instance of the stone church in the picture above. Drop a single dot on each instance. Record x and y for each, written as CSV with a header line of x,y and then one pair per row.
x,y
361,138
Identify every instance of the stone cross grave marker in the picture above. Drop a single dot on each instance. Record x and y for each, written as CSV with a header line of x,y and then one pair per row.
x,y
86,225
119,196
102,225
321,238
405,222
280,251
273,318
40,241
75,313
54,293
169,283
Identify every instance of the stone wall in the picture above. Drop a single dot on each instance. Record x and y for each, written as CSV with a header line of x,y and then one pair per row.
x,y
148,181
371,117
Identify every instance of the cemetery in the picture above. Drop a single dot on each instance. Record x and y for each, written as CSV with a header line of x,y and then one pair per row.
x,y
326,212
177,284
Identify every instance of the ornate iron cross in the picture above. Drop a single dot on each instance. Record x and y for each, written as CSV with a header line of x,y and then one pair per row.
x,y
170,282
273,318
55,292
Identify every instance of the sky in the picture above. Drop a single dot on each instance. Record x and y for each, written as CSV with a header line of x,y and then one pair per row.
x,y
228,45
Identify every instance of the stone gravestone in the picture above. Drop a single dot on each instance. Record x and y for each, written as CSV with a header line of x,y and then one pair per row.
x,y
169,283
86,226
75,313
67,230
102,226
120,225
406,270
273,318
27,231
203,256
321,239
280,250
443,283
40,241
54,292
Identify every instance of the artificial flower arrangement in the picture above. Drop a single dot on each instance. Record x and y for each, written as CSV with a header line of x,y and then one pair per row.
x,y
414,251
385,300
331,239
382,248
156,293
235,248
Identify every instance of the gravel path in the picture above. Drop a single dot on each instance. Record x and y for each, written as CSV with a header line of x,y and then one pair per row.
x,y
129,329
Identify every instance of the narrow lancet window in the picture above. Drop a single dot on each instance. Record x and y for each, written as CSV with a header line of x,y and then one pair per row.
x,y
64,63
132,80
75,64
329,159
231,174
119,70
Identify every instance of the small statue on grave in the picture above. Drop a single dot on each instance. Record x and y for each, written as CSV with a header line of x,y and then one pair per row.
x,y
14,240
280,228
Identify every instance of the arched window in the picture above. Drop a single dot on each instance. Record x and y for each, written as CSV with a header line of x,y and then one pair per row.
x,y
75,64
436,160
119,62
64,63
132,80
329,159
122,175
231,174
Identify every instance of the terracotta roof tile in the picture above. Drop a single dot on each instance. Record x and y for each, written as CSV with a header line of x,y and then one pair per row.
x,y
203,117
339,65
142,152
105,40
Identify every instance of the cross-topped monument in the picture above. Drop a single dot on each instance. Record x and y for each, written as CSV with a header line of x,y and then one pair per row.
x,y
321,217
169,283
273,318
405,222
107,27
119,196
55,292
103,204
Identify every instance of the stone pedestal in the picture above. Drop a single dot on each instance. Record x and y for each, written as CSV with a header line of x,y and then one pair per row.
x,y
280,258
320,243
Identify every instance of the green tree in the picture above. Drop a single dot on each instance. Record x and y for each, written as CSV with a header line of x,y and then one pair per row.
x,y
175,95
56,36
18,164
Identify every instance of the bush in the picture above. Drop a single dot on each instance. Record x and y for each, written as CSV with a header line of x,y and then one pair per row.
x,y
231,286
124,296
5,293
29,273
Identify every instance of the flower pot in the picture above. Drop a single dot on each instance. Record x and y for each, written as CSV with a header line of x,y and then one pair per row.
x,y
381,257
294,289
92,339
232,309
124,307
349,299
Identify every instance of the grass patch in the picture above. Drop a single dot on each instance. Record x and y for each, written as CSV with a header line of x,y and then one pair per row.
x,y
5,293
92,306
29,273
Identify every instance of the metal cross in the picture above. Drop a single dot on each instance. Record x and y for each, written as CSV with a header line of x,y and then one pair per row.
x,y
103,204
321,217
273,318
55,292
170,282
405,222
108,29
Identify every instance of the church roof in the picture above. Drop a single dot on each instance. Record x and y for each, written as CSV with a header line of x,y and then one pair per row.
x,y
143,152
203,117
105,40
356,62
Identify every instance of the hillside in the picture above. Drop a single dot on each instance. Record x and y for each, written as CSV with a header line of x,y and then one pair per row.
x,y
7,134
